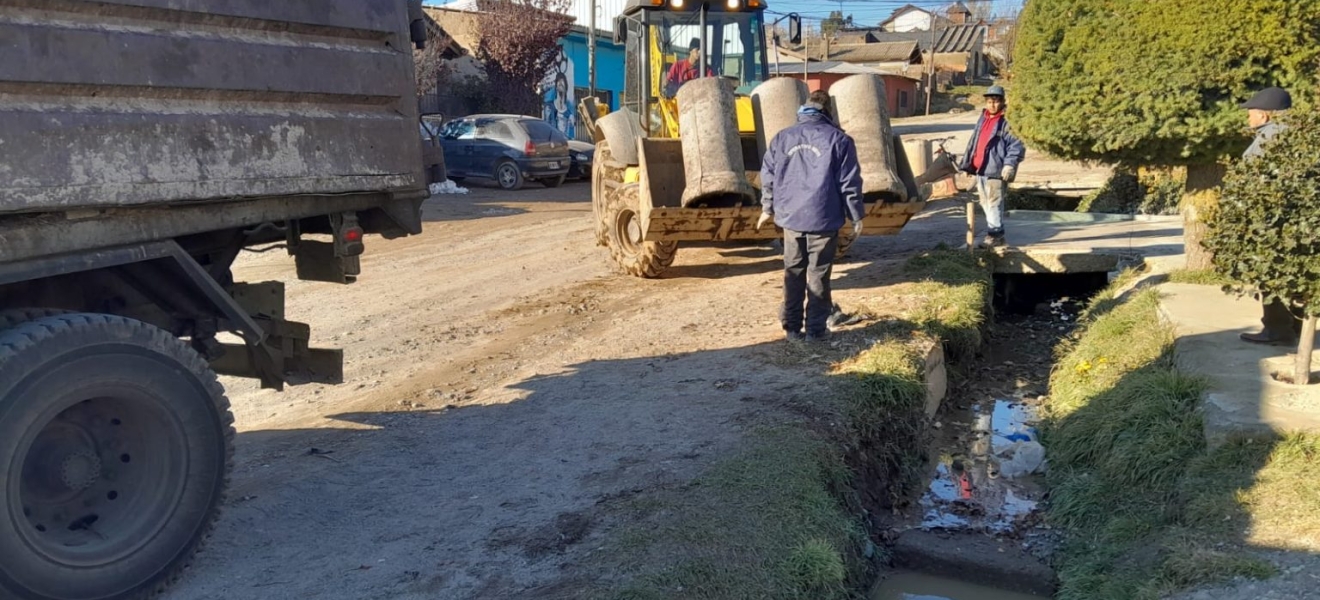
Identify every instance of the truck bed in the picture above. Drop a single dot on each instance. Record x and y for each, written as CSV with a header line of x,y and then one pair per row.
x,y
156,103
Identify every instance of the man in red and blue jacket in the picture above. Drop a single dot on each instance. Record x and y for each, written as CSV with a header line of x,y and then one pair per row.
x,y
993,155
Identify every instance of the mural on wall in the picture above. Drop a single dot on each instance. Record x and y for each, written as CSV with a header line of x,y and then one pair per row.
x,y
557,104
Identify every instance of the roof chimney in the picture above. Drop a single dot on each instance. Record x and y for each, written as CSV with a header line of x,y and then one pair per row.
x,y
959,14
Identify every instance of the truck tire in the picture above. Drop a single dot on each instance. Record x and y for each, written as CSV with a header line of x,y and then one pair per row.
x,y
116,443
18,316
634,255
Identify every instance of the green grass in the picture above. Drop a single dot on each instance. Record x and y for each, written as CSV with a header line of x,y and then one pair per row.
x,y
957,291
779,519
762,524
1199,277
1147,508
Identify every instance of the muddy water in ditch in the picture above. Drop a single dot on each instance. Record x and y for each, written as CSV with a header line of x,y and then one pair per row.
x,y
914,586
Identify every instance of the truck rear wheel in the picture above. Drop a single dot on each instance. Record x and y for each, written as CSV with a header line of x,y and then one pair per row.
x,y
17,316
115,449
633,254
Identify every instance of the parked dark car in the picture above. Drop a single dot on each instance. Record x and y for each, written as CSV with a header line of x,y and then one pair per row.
x,y
582,154
509,149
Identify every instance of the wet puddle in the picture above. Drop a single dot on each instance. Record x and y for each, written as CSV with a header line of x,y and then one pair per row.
x,y
990,486
914,586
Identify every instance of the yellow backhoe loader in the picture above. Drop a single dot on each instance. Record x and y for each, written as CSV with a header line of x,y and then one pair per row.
x,y
680,160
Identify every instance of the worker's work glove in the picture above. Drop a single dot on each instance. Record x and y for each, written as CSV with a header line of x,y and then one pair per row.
x,y
1009,174
765,218
857,229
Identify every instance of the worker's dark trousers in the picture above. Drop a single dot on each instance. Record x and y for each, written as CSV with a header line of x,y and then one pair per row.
x,y
808,262
1279,322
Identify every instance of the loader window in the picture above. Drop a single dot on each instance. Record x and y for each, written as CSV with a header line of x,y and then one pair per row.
x,y
734,43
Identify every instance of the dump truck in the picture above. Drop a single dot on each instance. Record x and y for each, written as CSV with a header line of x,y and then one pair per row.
x,y
145,144
679,162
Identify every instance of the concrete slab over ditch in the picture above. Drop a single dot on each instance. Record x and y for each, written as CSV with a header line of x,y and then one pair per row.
x,y
1244,399
1071,242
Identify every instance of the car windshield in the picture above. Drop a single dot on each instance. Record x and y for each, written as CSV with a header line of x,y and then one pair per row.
x,y
732,46
459,130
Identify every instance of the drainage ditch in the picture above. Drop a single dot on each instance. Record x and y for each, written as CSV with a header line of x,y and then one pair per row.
x,y
976,532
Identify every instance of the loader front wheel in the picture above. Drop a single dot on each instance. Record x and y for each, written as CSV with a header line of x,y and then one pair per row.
x,y
605,178
629,250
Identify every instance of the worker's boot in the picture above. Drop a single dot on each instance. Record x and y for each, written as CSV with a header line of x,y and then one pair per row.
x,y
1269,338
993,240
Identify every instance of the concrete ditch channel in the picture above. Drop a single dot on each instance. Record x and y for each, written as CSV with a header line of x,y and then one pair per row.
x,y
976,531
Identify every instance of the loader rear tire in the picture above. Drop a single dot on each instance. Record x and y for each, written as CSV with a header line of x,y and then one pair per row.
x,y
634,255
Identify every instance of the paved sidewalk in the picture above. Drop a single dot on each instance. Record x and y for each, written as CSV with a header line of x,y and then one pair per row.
x,y
1244,398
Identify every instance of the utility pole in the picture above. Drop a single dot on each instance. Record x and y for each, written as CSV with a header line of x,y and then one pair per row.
x,y
930,87
591,51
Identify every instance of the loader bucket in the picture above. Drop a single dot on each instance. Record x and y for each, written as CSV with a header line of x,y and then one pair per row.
x,y
664,219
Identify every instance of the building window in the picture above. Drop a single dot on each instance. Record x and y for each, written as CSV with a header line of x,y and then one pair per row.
x,y
902,99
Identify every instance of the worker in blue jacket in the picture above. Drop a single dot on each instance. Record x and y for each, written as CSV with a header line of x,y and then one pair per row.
x,y
811,184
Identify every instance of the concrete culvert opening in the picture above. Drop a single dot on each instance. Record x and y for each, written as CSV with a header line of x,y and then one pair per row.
x,y
1032,293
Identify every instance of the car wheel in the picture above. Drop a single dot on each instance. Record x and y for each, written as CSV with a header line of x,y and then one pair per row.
x,y
508,176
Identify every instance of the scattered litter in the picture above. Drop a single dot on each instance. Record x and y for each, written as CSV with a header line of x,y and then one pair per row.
x,y
447,187
1021,458
321,453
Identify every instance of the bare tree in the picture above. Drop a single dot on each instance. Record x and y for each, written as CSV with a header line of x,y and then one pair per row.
x,y
1005,30
836,21
429,62
519,44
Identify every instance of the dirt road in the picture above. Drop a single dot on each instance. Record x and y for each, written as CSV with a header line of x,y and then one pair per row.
x,y
503,389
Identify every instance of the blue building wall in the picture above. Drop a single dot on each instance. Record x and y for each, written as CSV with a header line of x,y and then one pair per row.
x,y
609,64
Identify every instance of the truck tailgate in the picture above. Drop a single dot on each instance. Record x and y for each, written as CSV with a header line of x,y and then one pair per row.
x,y
150,102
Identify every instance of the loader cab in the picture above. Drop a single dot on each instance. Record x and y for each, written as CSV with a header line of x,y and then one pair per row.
x,y
729,36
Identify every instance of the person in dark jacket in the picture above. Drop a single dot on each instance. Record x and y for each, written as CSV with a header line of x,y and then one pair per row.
x,y
810,184
993,155
1281,326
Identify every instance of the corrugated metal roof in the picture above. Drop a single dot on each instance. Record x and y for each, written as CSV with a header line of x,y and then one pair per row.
x,y
815,68
954,38
833,67
873,53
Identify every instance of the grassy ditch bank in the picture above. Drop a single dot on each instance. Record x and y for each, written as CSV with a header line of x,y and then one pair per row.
x,y
786,516
1147,508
